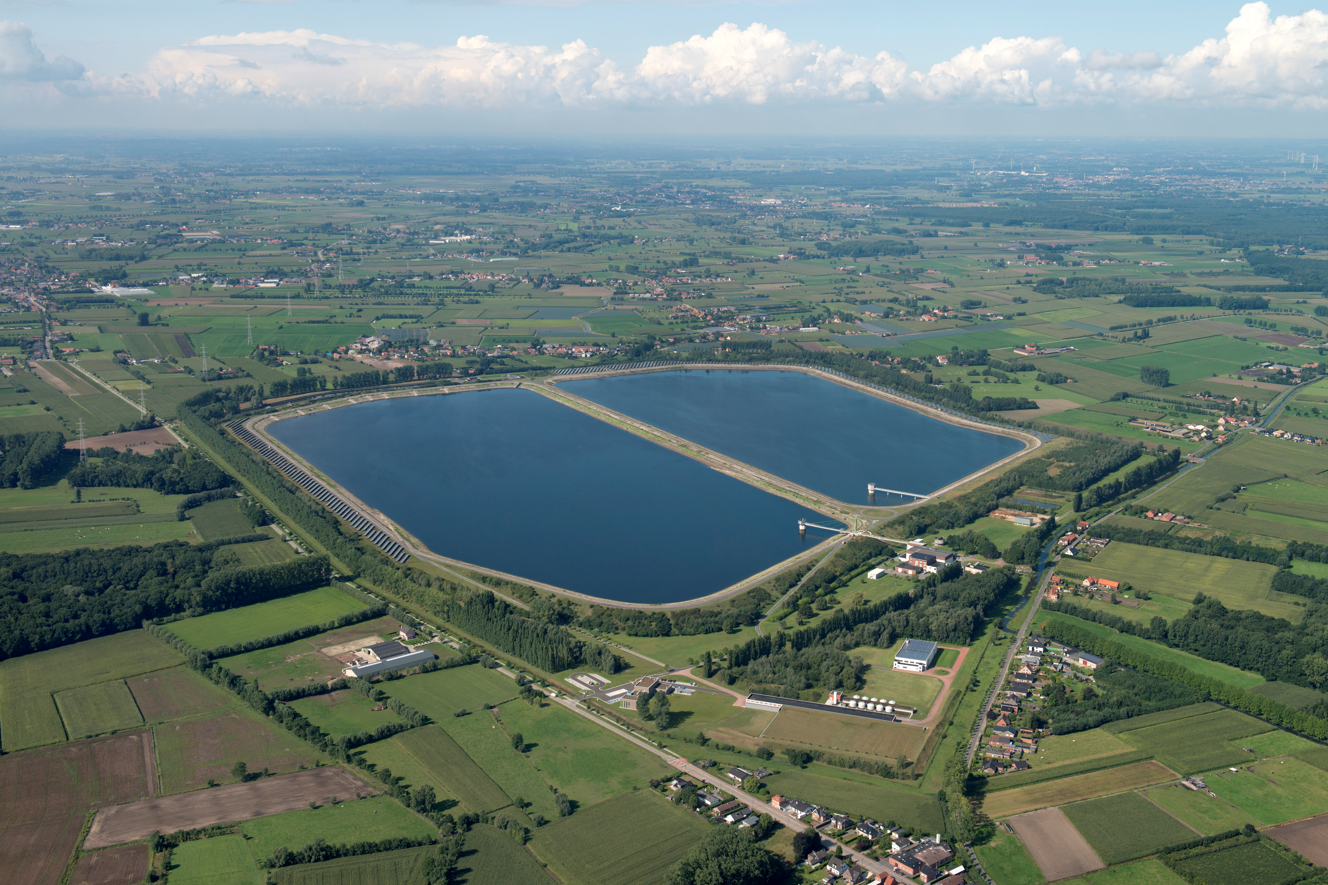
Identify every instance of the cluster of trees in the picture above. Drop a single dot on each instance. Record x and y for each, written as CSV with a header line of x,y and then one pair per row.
x,y
28,458
399,375
1238,302
1026,549
546,646
306,383
244,585
729,855
189,502
168,471
53,599
1276,712
1145,474
1005,403
865,248
1155,376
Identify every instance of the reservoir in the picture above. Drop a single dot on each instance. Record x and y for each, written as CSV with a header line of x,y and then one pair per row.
x,y
819,434
511,480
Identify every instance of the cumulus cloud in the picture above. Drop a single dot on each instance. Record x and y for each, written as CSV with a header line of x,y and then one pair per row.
x,y
20,59
758,63
1261,60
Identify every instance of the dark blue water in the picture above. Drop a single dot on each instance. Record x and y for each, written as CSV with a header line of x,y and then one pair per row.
x,y
816,433
511,480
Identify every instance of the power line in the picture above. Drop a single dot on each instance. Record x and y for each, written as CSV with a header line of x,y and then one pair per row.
x,y
204,362
82,443
249,328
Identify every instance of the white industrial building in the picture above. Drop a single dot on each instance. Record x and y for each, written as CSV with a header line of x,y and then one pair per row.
x,y
916,655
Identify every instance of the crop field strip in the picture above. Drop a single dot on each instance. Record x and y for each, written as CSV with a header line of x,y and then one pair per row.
x,y
1126,826
436,751
1020,800
268,618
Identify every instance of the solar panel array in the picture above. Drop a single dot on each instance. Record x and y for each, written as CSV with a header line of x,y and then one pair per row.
x,y
320,492
613,367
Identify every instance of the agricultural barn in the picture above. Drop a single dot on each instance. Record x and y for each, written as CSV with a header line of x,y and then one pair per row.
x,y
383,656
917,655
1084,659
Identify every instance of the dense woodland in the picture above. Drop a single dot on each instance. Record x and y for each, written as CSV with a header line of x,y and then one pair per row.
x,y
53,599
169,471
28,458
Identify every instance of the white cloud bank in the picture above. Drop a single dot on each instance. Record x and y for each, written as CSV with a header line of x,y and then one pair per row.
x,y
1262,61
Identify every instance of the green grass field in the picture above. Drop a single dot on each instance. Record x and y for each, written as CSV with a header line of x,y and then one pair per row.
x,y
1143,872
220,519
442,693
221,860
396,867
98,709
28,714
1008,862
860,794
359,820
1254,863
581,758
343,712
649,833
436,752
263,552
1236,583
1173,715
390,754
265,618
491,857
910,689
1277,743
1274,791
1199,743
1125,826
1207,814
488,744
46,540
1064,749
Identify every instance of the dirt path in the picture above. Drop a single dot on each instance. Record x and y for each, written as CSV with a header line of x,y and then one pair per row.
x,y
947,683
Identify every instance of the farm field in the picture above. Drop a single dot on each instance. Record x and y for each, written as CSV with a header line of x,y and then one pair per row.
x,y
126,865
263,552
436,752
491,857
219,519
221,860
581,758
230,803
1235,583
1252,863
350,820
37,838
98,709
487,743
1199,743
651,834
1057,848
1161,717
1207,814
301,661
715,715
177,693
861,794
191,752
1307,837
142,532
1142,872
261,619
442,693
1008,862
1125,826
830,731
391,755
343,712
396,867
1066,748
28,713
1075,788
1274,791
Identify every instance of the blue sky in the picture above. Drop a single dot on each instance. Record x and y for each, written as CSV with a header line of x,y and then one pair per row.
x,y
1175,68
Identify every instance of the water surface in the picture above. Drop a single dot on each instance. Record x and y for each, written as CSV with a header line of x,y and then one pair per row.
x,y
814,432
514,481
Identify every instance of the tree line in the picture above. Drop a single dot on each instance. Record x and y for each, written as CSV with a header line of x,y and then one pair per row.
x,y
1144,475
29,458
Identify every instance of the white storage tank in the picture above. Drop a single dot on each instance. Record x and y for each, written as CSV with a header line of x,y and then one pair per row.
x,y
889,708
